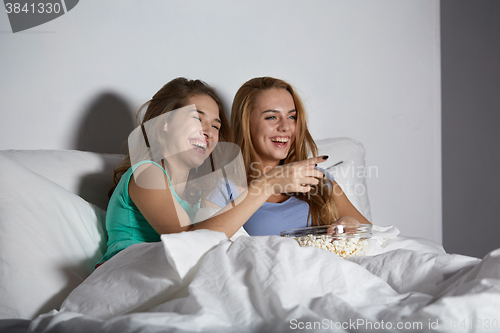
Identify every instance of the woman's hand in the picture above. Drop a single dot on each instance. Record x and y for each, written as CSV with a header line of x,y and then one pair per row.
x,y
345,224
294,177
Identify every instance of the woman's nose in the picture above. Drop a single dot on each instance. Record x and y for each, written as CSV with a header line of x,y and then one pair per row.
x,y
283,125
208,131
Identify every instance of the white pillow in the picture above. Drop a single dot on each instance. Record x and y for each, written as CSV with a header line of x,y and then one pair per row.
x,y
86,174
50,240
350,174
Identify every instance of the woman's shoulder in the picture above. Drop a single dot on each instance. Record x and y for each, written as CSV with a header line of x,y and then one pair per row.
x,y
150,166
148,175
152,175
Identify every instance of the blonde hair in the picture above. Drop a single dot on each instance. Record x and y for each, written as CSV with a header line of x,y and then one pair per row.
x,y
174,95
322,207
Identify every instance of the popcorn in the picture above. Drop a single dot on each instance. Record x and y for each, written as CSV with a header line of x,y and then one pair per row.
x,y
342,246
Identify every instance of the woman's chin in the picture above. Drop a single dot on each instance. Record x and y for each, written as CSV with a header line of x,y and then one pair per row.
x,y
280,155
194,159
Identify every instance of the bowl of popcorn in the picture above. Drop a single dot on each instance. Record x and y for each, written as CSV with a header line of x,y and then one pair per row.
x,y
345,240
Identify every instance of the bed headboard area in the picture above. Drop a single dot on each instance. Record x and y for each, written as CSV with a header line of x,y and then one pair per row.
x,y
85,174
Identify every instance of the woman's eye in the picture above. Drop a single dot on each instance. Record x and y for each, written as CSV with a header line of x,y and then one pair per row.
x,y
270,118
293,117
217,128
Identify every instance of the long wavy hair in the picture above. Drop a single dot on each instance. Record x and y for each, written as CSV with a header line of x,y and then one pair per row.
x,y
322,207
174,95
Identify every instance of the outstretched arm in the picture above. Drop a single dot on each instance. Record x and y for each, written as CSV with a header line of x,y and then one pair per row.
x,y
165,214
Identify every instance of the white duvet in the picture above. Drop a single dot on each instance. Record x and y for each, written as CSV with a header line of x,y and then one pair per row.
x,y
202,282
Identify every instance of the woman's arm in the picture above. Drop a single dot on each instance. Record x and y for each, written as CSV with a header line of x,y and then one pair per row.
x,y
344,206
165,214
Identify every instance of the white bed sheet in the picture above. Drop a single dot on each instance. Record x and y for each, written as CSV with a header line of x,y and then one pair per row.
x,y
201,282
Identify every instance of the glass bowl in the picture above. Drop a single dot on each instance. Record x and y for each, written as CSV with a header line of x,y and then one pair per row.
x,y
343,240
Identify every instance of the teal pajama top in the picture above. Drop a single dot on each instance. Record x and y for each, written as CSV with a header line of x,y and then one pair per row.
x,y
125,224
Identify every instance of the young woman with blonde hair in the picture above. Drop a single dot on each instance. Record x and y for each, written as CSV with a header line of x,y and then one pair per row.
x,y
269,122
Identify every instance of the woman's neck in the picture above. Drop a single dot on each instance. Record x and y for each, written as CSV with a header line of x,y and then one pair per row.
x,y
268,165
178,174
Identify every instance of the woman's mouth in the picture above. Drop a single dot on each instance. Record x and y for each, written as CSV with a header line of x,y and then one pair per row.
x,y
280,141
200,146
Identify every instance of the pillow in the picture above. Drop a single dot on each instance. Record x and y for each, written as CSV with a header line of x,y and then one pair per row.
x,y
346,163
50,240
86,174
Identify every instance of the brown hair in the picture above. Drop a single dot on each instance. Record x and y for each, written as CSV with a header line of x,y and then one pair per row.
x,y
174,95
322,207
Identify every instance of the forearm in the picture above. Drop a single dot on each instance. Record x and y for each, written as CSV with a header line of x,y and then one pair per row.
x,y
359,217
231,220
345,207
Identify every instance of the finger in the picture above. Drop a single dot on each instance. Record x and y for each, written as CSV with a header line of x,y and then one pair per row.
x,y
312,173
299,188
335,229
349,224
304,188
321,159
330,230
350,229
309,172
314,160
340,229
308,181
306,167
313,181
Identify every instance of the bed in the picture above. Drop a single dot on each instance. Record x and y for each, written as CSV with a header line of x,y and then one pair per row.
x,y
52,210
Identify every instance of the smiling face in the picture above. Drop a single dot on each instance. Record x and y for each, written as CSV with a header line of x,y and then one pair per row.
x,y
193,131
273,121
207,114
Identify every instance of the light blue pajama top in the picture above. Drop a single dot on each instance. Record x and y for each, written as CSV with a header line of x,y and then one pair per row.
x,y
273,218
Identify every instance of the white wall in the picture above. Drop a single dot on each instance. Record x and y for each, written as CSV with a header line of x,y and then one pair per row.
x,y
369,70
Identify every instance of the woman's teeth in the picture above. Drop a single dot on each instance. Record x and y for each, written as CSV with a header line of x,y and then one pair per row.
x,y
200,144
284,140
